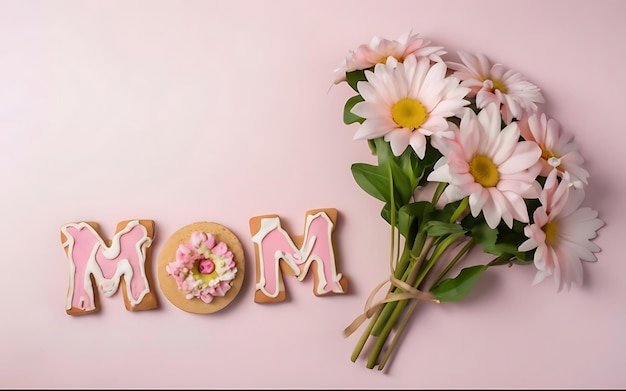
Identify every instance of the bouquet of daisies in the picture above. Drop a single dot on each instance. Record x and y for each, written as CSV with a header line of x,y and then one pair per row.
x,y
465,158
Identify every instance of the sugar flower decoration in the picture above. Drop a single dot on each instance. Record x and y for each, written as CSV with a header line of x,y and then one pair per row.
x,y
203,268
405,102
496,83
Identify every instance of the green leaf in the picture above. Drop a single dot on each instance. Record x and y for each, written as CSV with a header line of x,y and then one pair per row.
x,y
373,179
402,183
439,228
383,151
418,209
507,249
455,289
501,240
372,145
405,223
411,166
354,77
408,221
348,116
430,214
385,213
484,236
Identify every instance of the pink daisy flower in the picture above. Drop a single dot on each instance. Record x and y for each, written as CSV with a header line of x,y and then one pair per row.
x,y
489,165
379,49
557,149
405,102
561,233
495,83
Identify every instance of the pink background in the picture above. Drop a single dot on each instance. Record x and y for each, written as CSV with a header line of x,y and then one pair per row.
x,y
184,111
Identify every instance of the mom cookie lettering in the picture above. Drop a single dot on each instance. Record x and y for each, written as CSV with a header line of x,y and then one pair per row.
x,y
201,267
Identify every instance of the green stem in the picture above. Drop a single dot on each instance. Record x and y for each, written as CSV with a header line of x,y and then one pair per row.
x,y
419,243
391,247
501,260
380,341
441,247
460,209
410,254
408,277
454,260
381,317
440,188
413,304
396,337
366,333
425,250
392,211
403,263
401,304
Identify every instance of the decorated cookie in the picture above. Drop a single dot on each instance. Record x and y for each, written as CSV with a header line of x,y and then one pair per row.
x,y
107,265
201,267
276,251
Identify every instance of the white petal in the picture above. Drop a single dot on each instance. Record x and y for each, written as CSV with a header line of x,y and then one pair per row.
x,y
441,172
507,141
418,142
491,213
398,139
575,198
527,245
367,109
373,128
526,155
502,206
477,200
540,276
517,206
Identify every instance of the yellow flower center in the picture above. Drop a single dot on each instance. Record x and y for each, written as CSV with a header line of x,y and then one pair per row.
x,y
484,171
551,231
546,154
498,85
551,158
409,113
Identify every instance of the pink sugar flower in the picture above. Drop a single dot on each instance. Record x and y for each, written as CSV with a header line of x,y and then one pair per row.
x,y
186,255
211,257
220,248
206,266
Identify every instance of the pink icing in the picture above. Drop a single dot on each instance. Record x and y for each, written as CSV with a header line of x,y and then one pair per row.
x,y
275,244
90,256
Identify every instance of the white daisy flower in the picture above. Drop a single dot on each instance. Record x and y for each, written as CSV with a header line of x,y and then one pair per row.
x,y
496,83
405,102
379,49
491,166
